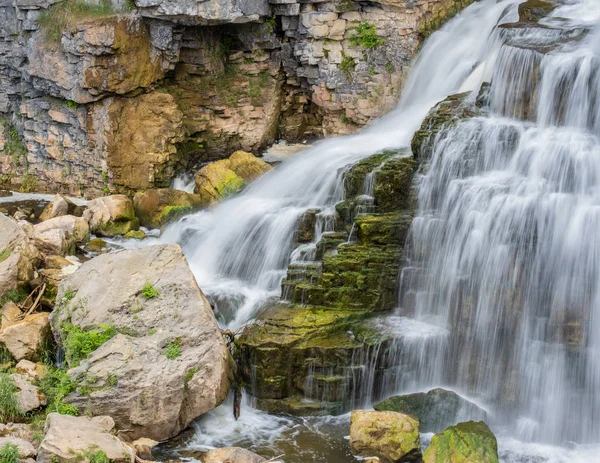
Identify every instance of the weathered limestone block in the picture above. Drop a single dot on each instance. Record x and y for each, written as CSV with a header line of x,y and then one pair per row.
x,y
27,338
392,436
205,11
60,206
167,363
111,215
76,227
112,55
19,258
69,438
29,397
156,208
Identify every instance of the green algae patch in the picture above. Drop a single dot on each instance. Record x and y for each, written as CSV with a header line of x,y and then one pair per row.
x,y
393,183
383,229
471,442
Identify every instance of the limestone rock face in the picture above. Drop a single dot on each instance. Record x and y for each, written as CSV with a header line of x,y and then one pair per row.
x,y
27,338
206,11
232,455
18,256
28,395
392,436
229,176
111,215
68,438
435,410
168,364
156,208
470,441
111,55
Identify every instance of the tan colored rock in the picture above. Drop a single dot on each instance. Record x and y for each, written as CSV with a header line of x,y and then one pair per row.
x,y
111,215
34,371
60,206
18,256
11,313
26,448
143,447
146,392
232,455
56,262
227,177
391,436
27,338
17,430
156,208
77,227
55,241
29,397
69,437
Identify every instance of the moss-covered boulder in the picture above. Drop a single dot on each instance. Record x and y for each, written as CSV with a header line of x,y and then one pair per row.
x,y
393,183
155,208
471,442
227,177
391,436
435,410
532,11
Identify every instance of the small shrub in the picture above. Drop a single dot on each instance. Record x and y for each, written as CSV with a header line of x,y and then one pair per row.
x,y
366,36
72,105
96,456
79,344
347,66
9,407
56,385
28,183
149,291
15,295
9,453
173,349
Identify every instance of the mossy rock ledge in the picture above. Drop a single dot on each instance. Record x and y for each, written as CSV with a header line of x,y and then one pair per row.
x,y
306,356
471,441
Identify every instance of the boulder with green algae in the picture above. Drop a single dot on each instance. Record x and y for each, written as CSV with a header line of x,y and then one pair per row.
x,y
393,183
469,442
135,234
383,229
224,178
355,176
391,436
111,215
435,410
155,208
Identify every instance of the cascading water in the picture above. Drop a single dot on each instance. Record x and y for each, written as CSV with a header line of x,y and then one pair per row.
x,y
502,254
504,240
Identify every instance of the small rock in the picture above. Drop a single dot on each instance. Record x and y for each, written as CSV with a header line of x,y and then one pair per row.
x,y
135,234
10,313
75,227
232,455
18,430
156,208
111,215
32,370
143,447
69,436
471,441
60,206
27,338
29,397
391,436
96,245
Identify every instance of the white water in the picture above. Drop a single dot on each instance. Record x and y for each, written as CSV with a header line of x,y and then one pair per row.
x,y
473,237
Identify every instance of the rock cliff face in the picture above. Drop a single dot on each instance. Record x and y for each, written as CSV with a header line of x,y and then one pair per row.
x,y
119,97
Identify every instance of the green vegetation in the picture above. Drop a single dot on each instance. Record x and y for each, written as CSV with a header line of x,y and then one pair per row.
x,y
366,36
389,67
9,453
15,295
173,349
28,182
149,291
347,66
72,105
56,385
9,407
96,456
130,5
189,375
5,254
112,380
79,344
64,16
14,146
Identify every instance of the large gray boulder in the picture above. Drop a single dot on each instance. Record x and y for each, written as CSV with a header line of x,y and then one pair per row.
x,y
69,439
167,362
19,258
435,410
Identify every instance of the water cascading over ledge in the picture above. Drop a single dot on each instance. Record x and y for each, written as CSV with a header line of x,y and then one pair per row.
x,y
504,238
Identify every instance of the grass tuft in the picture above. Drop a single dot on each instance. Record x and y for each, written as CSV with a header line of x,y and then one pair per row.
x,y
9,453
366,36
173,349
149,291
79,343
9,407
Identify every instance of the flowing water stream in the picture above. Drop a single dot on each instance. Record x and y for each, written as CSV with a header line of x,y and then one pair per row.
x,y
503,264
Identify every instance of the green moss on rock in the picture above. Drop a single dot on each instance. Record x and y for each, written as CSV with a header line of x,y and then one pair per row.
x,y
471,442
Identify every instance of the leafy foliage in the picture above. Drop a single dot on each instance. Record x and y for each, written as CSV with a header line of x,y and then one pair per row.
x,y
347,66
9,407
366,36
56,385
173,349
149,291
79,343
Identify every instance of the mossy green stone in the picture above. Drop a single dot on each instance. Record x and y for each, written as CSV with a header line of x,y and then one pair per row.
x,y
469,442
135,234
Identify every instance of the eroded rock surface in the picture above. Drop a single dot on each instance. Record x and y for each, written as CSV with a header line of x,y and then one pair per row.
x,y
166,363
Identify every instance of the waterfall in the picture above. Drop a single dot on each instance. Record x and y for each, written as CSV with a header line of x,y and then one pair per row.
x,y
505,237
239,251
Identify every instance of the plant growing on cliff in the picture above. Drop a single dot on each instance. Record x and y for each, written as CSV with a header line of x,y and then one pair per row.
x,y
15,295
149,291
9,407
173,349
9,453
28,182
347,66
14,146
366,36
64,16
56,385
79,344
